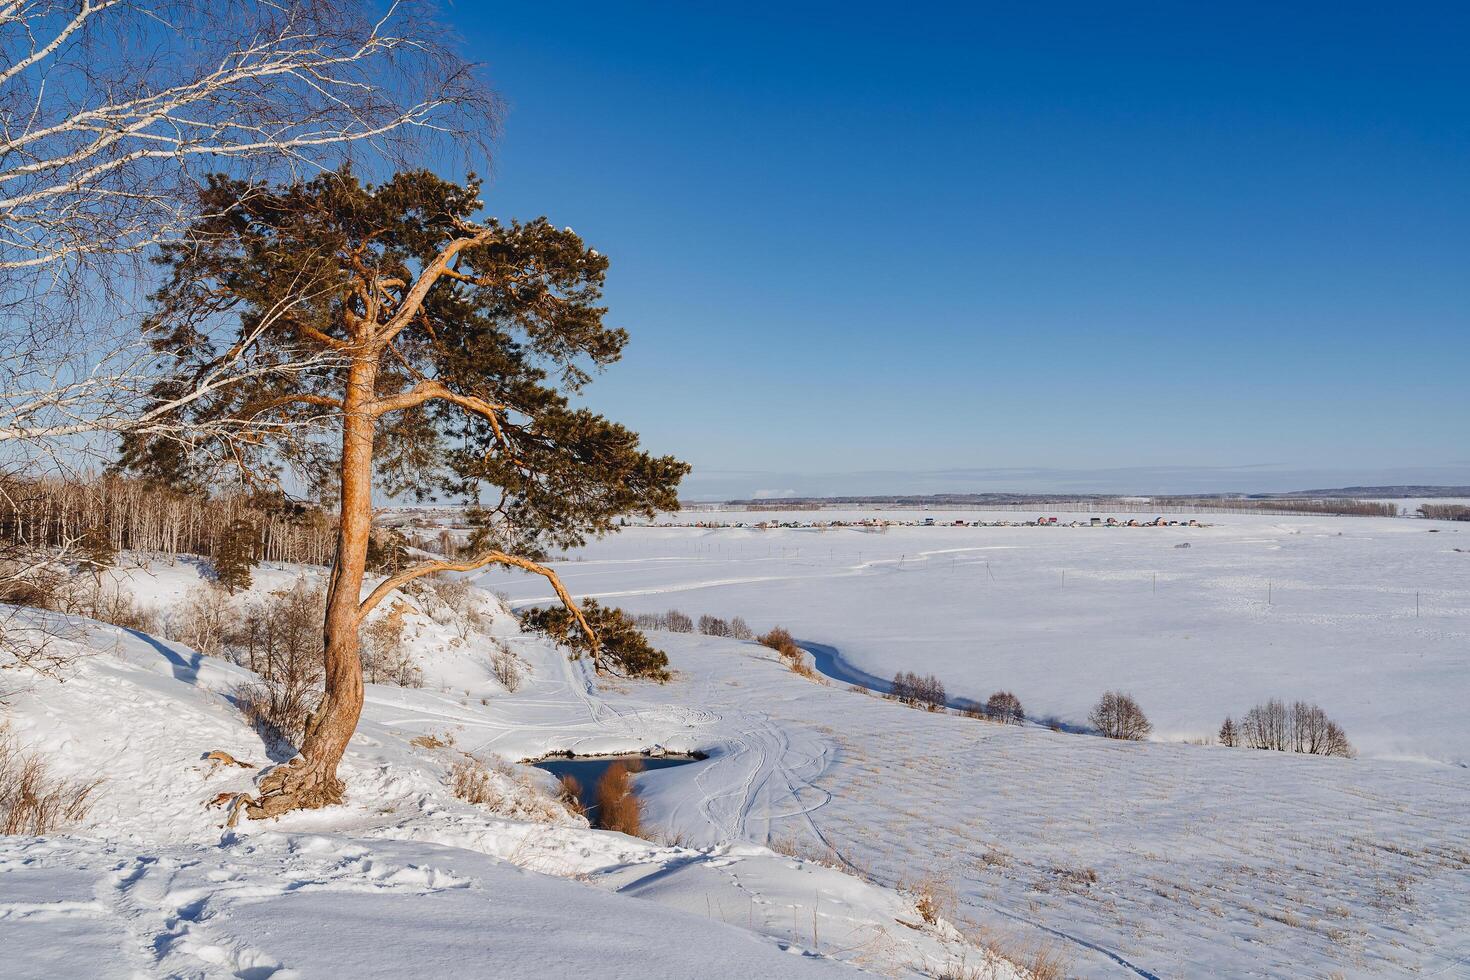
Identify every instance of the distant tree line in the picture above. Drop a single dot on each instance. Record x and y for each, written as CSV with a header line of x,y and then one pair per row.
x,y
109,514
1445,512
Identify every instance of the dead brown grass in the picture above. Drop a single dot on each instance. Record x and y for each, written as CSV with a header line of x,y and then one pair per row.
x,y
618,807
32,801
1039,959
571,795
934,897
470,781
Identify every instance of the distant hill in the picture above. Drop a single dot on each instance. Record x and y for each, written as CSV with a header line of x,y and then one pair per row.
x,y
1383,492
1012,499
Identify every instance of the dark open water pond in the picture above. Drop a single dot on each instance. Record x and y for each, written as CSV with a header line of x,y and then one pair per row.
x,y
588,772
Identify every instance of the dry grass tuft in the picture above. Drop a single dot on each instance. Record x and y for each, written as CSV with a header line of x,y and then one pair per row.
x,y
571,795
618,807
934,897
1037,959
432,741
470,781
32,801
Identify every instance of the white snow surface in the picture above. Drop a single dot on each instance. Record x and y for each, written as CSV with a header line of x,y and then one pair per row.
x,y
1319,609
403,879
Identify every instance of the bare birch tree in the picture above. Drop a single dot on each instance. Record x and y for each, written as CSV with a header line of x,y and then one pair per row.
x,y
111,112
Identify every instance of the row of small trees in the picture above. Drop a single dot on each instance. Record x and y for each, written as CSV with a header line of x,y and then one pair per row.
x,y
915,691
735,629
675,621
1445,512
1279,727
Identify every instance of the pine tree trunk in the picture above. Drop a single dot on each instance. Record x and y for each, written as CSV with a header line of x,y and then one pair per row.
x,y
310,780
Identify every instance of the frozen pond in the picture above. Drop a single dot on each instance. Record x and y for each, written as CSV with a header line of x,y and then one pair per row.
x,y
589,770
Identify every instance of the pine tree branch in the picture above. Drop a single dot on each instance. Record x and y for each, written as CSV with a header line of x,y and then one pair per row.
x,y
402,578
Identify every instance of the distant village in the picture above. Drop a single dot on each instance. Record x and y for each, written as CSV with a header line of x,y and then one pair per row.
x,y
883,522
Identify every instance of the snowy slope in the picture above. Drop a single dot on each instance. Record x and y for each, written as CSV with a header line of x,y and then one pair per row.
x,y
413,879
1150,859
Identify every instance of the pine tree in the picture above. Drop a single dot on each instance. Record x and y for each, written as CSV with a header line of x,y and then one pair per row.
x,y
98,552
1228,735
234,556
401,343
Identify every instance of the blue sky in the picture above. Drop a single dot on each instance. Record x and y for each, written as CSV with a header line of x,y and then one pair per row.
x,y
875,247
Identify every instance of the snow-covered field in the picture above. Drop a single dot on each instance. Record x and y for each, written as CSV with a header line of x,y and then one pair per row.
x,y
1368,617
1130,859
1153,859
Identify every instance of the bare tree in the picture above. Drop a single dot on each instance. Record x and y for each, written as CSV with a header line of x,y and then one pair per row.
x,y
1117,715
1266,726
1005,707
1300,727
112,112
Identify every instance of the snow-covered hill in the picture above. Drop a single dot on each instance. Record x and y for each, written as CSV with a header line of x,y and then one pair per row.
x,y
403,878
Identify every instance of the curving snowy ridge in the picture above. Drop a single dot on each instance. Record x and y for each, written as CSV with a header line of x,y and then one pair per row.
x,y
403,879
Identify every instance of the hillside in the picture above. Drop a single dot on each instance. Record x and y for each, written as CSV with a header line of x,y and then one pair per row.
x,y
403,878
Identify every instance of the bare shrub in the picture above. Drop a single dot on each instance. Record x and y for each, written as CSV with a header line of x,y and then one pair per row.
x,y
32,801
280,638
277,710
105,601
713,626
674,621
792,656
205,619
1300,727
454,593
618,806
571,795
506,668
934,897
385,656
46,646
778,639
918,692
740,630
470,781
1005,707
1266,727
1117,715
